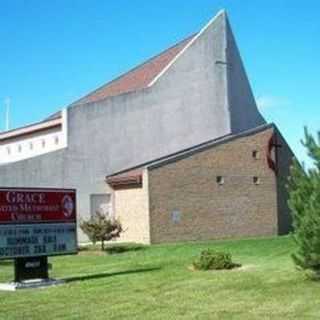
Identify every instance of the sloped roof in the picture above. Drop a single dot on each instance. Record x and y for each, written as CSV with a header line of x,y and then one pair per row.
x,y
31,129
129,173
131,178
137,78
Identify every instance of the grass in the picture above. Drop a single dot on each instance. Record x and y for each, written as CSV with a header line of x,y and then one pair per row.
x,y
156,283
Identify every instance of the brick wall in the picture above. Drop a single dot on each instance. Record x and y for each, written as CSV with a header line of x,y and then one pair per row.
x,y
209,210
131,207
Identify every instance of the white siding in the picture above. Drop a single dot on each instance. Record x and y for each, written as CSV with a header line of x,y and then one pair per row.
x,y
39,143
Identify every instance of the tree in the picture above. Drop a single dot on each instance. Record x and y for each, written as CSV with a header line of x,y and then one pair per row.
x,y
102,228
304,202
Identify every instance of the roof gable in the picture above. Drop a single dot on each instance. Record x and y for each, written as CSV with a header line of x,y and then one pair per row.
x,y
137,78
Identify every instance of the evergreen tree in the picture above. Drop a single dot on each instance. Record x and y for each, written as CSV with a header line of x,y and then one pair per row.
x,y
304,202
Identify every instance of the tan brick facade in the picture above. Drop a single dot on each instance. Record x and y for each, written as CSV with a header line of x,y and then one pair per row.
x,y
182,199
131,207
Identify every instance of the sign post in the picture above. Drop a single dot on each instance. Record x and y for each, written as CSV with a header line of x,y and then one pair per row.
x,y
35,224
31,268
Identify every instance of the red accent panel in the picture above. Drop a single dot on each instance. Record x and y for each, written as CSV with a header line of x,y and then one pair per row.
x,y
37,205
271,145
131,178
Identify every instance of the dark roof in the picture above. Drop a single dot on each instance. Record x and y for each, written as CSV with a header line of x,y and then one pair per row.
x,y
137,78
188,152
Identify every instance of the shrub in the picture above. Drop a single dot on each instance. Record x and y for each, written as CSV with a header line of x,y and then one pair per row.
x,y
304,202
214,260
101,228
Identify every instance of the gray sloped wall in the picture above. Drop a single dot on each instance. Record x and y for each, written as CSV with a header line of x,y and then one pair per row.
x,y
243,108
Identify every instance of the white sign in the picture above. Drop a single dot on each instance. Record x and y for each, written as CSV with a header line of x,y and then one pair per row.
x,y
28,240
37,222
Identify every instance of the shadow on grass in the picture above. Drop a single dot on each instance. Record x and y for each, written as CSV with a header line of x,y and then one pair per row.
x,y
122,249
105,274
6,263
114,249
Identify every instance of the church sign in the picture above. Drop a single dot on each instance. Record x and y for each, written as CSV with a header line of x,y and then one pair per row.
x,y
37,222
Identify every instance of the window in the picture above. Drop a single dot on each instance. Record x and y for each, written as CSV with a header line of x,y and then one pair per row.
x,y
43,142
19,148
8,150
256,180
100,203
31,146
255,154
220,180
56,140
175,216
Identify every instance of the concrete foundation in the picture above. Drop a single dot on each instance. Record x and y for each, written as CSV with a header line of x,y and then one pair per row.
x,y
30,284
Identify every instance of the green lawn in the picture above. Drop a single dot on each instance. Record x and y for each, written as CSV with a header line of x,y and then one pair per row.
x,y
156,283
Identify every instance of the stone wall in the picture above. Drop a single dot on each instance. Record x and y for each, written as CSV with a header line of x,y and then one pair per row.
x,y
236,208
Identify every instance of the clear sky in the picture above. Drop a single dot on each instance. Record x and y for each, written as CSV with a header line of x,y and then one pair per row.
x,y
53,52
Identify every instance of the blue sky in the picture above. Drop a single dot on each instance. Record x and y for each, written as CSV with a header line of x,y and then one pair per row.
x,y
53,52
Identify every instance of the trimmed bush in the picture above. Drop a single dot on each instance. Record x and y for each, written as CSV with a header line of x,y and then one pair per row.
x,y
214,260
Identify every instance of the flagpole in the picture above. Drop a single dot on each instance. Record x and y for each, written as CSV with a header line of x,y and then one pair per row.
x,y
7,106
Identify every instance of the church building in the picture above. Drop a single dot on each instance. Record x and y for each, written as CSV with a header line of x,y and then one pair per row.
x,y
175,148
